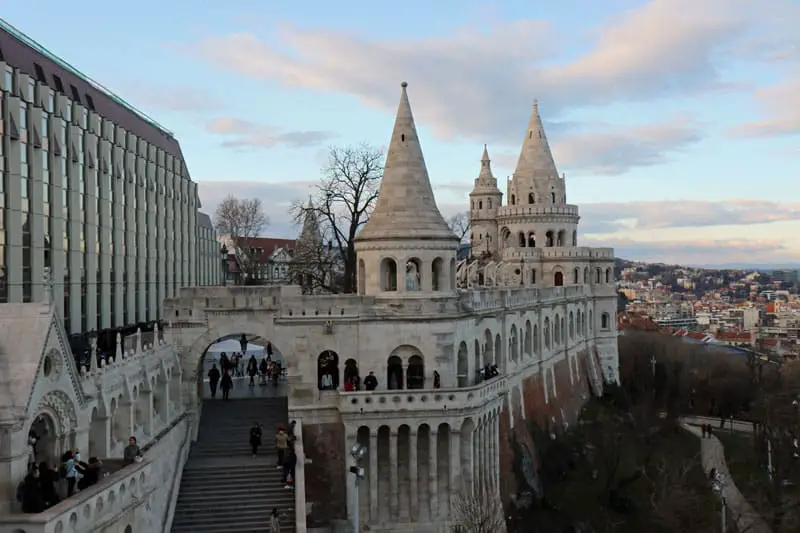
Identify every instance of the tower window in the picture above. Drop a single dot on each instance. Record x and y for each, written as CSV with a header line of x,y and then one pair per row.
x,y
490,203
530,198
480,204
402,137
552,197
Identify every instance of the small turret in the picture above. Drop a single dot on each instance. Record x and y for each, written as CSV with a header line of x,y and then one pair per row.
x,y
536,179
485,198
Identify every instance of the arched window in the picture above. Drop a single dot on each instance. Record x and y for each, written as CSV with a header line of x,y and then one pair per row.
x,y
328,370
437,273
533,276
575,276
558,279
394,373
598,275
521,239
556,331
571,326
546,332
480,204
552,197
574,237
608,275
560,239
513,200
350,370
586,275
531,198
415,376
605,321
412,271
532,239
388,274
549,238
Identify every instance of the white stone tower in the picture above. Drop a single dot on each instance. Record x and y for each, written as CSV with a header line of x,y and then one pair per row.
x,y
485,199
406,248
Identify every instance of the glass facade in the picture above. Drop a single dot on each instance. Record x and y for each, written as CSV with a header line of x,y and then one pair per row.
x,y
113,217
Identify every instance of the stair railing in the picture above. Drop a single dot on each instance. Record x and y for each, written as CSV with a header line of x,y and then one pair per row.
x,y
299,480
183,456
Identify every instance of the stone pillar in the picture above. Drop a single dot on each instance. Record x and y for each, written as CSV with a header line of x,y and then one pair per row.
x,y
433,475
455,469
350,488
413,476
467,463
393,471
494,482
475,474
373,476
479,470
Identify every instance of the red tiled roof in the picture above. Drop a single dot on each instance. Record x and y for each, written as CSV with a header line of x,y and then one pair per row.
x,y
268,245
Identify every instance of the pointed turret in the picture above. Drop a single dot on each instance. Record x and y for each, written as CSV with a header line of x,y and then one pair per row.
x,y
535,161
406,208
484,199
310,234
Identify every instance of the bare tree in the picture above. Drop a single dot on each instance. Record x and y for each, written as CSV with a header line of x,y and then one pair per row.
x,y
343,202
460,225
240,220
477,512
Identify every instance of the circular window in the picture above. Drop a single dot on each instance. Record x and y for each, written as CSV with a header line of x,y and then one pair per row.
x,y
48,365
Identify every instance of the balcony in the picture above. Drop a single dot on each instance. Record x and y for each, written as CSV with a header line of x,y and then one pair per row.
x,y
111,498
393,401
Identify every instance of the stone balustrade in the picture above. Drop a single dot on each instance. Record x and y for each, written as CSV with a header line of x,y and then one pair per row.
x,y
392,401
574,253
491,299
568,210
142,345
111,498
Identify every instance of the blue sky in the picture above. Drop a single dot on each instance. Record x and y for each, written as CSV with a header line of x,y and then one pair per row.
x,y
677,122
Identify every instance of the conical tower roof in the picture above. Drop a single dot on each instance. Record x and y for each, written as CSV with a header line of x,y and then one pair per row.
x,y
535,163
486,179
406,208
310,233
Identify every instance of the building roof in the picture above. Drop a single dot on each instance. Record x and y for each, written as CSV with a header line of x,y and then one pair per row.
x,y
486,182
406,208
266,246
204,221
535,163
33,59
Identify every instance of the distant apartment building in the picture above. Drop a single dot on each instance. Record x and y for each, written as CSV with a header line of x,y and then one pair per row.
x,y
93,192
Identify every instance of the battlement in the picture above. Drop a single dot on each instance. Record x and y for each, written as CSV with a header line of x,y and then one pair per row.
x,y
577,253
537,210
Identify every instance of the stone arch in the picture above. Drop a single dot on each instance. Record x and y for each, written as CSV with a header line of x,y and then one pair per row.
x,y
499,360
598,273
605,321
415,372
362,277
536,345
394,373
437,274
328,370
351,370
98,445
488,348
45,435
585,275
462,365
571,326
558,279
546,332
467,453
549,238
453,277
513,343
413,274
521,239
505,235
576,274
513,199
563,330
609,276
476,357
388,274
556,330
528,339
531,198
561,238
531,239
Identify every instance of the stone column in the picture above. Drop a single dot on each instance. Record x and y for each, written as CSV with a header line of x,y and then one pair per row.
x,y
413,476
475,474
393,471
467,463
493,454
373,475
433,474
455,469
480,470
350,489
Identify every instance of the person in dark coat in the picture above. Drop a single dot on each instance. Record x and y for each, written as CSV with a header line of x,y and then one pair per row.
x,y
289,465
48,479
255,438
31,493
252,370
213,379
91,473
226,384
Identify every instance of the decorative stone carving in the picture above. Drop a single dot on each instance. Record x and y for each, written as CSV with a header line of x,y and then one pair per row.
x,y
63,407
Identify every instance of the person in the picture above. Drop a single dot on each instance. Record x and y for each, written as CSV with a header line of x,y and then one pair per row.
x,y
437,380
275,521
29,493
226,384
371,382
223,361
132,452
263,368
349,385
213,379
252,370
292,436
289,464
48,478
281,444
91,473
255,438
70,471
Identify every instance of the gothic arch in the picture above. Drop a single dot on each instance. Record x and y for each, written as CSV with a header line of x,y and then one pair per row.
x,y
388,273
328,370
609,276
462,365
558,279
61,409
546,332
513,343
528,340
557,330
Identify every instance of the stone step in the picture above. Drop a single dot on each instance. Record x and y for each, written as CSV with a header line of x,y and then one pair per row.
x,y
222,512
258,526
214,517
279,494
273,477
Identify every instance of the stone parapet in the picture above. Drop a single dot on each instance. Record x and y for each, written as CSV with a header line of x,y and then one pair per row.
x,y
577,253
537,210
89,509
491,299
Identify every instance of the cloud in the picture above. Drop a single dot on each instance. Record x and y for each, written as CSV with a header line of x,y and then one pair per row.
x,y
662,48
176,98
246,134
610,217
781,105
701,252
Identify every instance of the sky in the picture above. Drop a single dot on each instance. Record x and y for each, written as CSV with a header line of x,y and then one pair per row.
x,y
677,122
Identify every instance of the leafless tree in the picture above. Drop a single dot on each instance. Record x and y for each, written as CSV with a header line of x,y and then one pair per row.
x,y
460,225
343,201
477,512
240,220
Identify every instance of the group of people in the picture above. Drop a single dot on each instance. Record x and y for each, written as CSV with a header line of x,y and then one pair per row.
x,y
286,460
268,371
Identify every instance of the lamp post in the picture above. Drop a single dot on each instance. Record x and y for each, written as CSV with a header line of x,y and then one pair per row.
x,y
224,252
718,486
357,452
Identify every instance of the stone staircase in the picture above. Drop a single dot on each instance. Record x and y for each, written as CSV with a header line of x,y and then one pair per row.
x,y
224,488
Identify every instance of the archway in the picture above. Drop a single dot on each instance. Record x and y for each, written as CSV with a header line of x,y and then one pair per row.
x,y
43,440
328,370
237,353
351,370
415,375
394,373
558,279
462,365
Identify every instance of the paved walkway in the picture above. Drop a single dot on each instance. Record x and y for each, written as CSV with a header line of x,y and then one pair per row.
x,y
712,455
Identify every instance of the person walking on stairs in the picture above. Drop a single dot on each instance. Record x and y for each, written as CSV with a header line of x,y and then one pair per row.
x,y
252,370
213,379
255,438
226,385
275,521
289,465
281,444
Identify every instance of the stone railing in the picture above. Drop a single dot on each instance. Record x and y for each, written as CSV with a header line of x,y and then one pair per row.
x,y
537,210
300,514
141,344
392,401
111,498
575,253
499,298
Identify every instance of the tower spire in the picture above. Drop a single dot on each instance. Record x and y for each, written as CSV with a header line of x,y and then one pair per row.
x,y
406,207
535,163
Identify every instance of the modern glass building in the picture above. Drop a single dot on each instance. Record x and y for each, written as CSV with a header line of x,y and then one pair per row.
x,y
95,193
